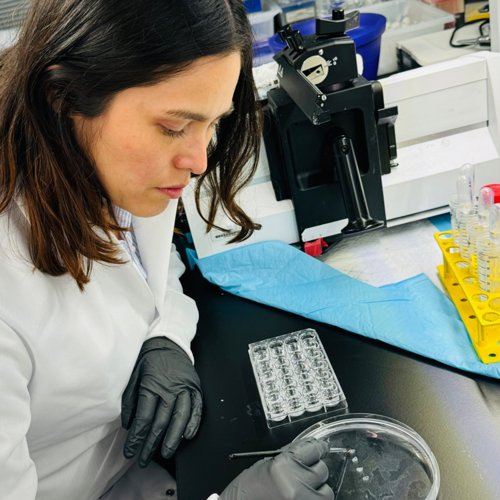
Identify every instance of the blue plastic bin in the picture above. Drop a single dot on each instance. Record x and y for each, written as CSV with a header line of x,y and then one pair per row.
x,y
367,38
252,5
262,52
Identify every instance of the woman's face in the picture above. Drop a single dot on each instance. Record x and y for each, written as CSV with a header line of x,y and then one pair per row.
x,y
149,140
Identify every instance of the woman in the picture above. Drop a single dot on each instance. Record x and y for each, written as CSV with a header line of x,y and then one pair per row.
x,y
107,108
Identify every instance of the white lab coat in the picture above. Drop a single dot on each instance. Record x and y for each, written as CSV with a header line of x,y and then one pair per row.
x,y
66,357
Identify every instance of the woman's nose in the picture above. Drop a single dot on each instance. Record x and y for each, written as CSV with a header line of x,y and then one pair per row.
x,y
193,157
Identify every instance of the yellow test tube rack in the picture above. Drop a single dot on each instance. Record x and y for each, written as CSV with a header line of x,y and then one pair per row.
x,y
479,310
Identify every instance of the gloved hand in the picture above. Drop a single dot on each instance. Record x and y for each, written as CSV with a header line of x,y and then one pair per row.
x,y
162,401
297,473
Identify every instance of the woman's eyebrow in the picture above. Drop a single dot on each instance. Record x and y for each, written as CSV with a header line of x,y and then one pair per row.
x,y
193,115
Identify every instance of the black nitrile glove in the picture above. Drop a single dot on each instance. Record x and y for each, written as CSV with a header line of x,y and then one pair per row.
x,y
297,473
162,401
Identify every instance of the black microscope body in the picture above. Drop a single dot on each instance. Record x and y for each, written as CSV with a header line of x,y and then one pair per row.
x,y
328,136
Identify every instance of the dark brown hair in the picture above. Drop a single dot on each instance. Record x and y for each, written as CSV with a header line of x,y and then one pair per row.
x,y
72,57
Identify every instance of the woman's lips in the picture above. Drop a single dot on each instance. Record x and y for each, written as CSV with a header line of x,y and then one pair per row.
x,y
172,192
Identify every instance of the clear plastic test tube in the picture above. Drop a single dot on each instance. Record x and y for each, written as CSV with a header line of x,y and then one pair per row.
x,y
469,171
479,227
488,254
466,211
460,204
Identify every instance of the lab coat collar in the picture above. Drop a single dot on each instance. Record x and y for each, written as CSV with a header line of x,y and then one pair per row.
x,y
154,239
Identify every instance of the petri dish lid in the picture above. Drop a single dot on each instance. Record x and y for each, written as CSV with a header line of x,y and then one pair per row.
x,y
388,459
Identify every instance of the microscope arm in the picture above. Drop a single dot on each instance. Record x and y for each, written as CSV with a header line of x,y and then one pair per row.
x,y
352,188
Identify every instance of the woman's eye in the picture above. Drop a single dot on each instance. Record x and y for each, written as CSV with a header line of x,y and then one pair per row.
x,y
173,133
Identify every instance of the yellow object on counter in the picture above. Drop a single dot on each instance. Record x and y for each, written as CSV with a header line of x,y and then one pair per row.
x,y
479,310
473,11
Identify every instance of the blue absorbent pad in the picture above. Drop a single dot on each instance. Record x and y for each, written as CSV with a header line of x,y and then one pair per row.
x,y
412,314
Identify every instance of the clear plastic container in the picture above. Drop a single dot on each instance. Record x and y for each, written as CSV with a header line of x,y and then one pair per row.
x,y
388,459
294,377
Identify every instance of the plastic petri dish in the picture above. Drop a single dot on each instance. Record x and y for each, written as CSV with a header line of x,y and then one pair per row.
x,y
389,460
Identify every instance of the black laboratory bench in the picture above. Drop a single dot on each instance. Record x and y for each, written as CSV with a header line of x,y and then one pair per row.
x,y
457,414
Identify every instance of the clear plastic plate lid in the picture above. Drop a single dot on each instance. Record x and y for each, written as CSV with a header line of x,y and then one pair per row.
x,y
384,459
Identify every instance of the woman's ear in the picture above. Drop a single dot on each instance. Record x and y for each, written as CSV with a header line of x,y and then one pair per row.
x,y
54,67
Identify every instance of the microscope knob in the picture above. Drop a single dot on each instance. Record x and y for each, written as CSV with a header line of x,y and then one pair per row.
x,y
337,14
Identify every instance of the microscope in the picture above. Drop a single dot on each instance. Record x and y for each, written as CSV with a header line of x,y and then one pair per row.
x,y
329,138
